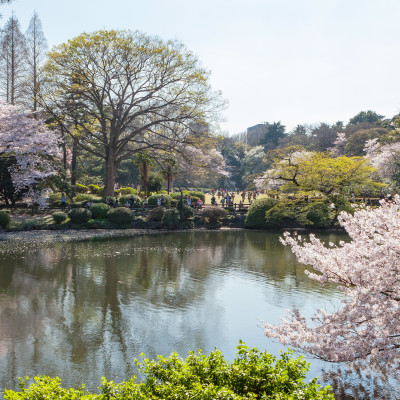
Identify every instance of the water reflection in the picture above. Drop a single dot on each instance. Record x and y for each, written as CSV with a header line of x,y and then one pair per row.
x,y
80,310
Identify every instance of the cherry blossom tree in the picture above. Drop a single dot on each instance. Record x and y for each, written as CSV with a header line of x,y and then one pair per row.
x,y
338,148
367,271
385,158
32,145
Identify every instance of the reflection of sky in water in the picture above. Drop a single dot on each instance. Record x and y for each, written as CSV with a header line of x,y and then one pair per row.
x,y
80,310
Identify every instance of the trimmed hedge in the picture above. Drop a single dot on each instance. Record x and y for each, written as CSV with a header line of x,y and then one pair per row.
x,y
120,215
125,191
81,188
200,195
86,197
255,217
251,375
59,217
79,215
95,189
100,210
122,200
153,199
213,215
4,219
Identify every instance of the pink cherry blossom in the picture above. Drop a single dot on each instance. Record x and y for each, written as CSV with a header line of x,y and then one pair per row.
x,y
30,142
367,271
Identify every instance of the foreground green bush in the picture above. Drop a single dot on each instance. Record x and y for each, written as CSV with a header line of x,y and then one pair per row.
x,y
252,375
4,219
79,215
99,210
59,217
120,215
255,217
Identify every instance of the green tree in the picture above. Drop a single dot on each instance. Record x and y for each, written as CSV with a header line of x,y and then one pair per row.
x,y
145,163
275,131
365,116
132,92
294,170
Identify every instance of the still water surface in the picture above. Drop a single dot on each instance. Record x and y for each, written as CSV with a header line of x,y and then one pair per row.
x,y
85,309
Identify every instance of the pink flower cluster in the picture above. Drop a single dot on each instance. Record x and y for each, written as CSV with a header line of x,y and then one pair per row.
x,y
367,271
30,142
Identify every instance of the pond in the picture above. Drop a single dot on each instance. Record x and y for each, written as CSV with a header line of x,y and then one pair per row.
x,y
85,309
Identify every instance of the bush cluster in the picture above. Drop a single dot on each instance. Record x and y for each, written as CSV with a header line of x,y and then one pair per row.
x,y
86,197
95,189
125,191
171,218
79,215
156,214
252,375
99,210
255,217
214,214
153,199
59,217
120,215
81,188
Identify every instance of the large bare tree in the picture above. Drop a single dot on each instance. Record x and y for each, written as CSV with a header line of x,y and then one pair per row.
x,y
12,62
128,93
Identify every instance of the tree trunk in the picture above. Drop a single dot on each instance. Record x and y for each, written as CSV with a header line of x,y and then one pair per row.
x,y
73,162
110,174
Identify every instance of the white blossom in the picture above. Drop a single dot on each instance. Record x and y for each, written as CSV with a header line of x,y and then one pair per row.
x,y
367,271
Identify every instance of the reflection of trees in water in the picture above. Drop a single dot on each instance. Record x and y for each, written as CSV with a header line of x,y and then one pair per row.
x,y
88,308
367,382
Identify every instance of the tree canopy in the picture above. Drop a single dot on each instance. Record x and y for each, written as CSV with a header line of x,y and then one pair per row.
x,y
128,92
296,169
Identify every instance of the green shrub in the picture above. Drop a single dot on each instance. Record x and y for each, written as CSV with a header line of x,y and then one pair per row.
x,y
59,217
99,210
86,197
282,214
199,195
125,191
185,212
81,188
251,375
122,200
79,215
175,195
153,199
317,214
4,219
95,189
156,214
255,217
120,215
162,192
170,218
214,214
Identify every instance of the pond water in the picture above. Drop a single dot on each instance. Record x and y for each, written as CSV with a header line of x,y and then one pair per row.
x,y
85,309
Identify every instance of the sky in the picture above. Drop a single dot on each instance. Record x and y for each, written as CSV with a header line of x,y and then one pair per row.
x,y
294,61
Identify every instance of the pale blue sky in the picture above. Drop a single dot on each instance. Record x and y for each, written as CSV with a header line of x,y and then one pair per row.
x,y
294,61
